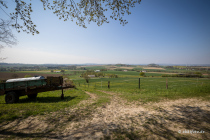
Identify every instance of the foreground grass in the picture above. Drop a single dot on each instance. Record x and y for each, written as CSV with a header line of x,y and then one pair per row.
x,y
153,89
46,102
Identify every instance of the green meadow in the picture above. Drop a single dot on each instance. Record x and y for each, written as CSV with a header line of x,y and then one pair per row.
x,y
152,89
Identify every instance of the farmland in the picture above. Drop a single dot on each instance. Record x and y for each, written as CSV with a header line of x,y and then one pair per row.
x,y
123,111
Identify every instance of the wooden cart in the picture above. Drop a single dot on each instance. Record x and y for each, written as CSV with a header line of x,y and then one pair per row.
x,y
14,88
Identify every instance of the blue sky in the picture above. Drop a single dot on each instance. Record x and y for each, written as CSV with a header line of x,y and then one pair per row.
x,y
158,31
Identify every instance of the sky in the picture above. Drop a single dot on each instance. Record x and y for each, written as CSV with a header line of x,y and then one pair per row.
x,y
158,31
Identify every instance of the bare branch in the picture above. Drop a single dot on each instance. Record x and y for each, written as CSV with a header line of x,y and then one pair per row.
x,y
7,39
6,36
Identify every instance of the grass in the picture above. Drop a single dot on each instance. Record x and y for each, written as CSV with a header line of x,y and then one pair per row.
x,y
46,102
151,88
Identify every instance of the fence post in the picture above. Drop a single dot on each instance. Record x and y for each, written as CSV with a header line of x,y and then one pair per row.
x,y
101,84
79,84
139,83
166,83
108,84
62,95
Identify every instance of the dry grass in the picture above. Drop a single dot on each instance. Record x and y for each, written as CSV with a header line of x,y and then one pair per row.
x,y
153,68
126,67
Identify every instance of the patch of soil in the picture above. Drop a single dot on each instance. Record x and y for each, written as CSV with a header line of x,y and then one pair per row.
x,y
122,119
91,100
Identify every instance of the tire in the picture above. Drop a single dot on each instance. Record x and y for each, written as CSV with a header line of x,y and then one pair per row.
x,y
32,96
11,97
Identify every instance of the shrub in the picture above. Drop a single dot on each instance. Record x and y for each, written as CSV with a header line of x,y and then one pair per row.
x,y
113,76
142,74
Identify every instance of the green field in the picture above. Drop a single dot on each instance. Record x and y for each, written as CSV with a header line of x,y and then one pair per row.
x,y
151,88
126,86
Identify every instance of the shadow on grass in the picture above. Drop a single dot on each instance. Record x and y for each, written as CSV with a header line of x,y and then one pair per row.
x,y
47,99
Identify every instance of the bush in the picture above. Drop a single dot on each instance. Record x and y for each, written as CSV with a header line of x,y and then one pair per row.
x,y
188,75
142,74
119,69
113,76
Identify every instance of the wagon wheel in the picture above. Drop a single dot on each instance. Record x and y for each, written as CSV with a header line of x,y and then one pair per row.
x,y
11,97
32,96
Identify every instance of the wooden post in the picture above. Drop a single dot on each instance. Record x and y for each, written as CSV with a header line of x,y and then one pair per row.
x,y
79,84
108,84
166,83
62,95
139,83
88,84
101,84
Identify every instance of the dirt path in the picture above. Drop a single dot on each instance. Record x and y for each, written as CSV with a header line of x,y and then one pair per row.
x,y
124,120
119,120
91,100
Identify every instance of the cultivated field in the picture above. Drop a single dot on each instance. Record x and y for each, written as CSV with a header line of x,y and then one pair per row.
x,y
153,68
123,111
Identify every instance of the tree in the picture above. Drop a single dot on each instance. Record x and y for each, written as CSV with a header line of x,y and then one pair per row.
x,y
6,36
63,71
85,10
87,78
